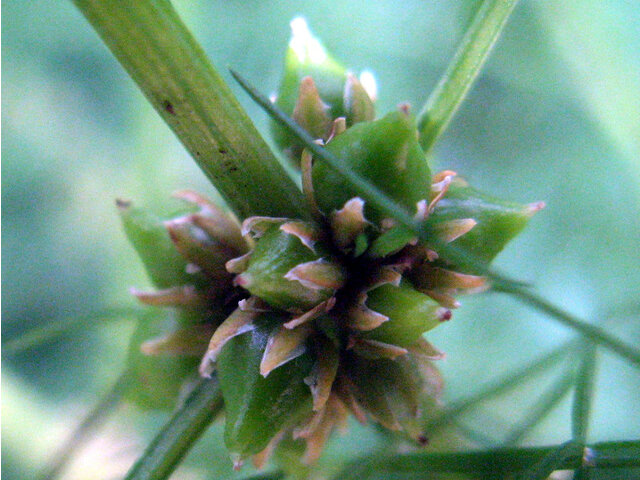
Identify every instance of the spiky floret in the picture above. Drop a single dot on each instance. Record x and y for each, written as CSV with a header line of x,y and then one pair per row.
x,y
308,321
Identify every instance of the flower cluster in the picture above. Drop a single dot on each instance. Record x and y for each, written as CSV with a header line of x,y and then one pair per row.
x,y
305,322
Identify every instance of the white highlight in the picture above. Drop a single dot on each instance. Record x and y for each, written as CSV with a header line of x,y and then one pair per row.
x,y
306,47
368,82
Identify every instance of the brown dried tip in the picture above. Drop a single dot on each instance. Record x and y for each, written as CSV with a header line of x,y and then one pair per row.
x,y
123,204
237,323
284,345
304,231
348,222
317,274
182,296
310,112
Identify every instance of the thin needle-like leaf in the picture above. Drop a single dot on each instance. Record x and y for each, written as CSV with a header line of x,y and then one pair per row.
x,y
529,463
448,251
89,424
54,329
503,385
589,331
172,443
583,394
172,70
473,435
463,69
547,401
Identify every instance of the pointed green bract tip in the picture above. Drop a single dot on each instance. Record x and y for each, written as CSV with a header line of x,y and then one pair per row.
x,y
498,221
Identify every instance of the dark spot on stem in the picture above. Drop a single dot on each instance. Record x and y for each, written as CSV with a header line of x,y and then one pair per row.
x,y
423,440
168,107
222,151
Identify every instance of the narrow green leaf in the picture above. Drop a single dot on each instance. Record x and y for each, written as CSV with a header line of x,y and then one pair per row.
x,y
554,460
547,401
53,329
474,435
172,70
530,463
96,416
583,394
176,438
453,254
589,331
463,69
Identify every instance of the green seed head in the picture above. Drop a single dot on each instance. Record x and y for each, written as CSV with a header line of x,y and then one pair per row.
x,y
316,90
307,322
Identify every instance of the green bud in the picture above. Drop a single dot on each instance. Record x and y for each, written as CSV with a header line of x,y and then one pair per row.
x,y
306,57
259,407
410,314
316,90
497,221
158,380
148,235
290,270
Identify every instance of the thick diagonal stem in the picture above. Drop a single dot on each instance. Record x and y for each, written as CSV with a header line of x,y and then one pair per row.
x,y
171,69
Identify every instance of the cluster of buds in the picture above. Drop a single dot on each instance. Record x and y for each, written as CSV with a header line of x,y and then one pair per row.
x,y
306,322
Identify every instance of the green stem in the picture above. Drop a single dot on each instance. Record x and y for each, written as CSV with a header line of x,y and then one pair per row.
x,y
547,401
581,410
463,69
593,333
495,462
554,460
177,437
89,424
171,69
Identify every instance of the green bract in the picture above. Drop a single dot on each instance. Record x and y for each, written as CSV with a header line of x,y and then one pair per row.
x,y
256,406
498,221
385,152
410,314
280,268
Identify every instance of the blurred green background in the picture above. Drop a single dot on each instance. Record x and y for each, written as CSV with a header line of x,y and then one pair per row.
x,y
554,116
